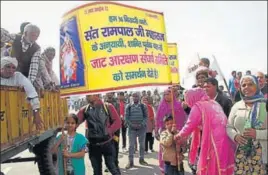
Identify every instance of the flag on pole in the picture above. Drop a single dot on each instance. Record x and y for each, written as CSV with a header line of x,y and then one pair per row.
x,y
215,67
189,77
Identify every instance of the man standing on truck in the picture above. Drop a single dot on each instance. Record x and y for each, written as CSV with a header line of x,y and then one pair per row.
x,y
25,49
102,121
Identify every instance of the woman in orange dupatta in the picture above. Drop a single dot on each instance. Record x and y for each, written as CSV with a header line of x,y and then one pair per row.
x,y
217,150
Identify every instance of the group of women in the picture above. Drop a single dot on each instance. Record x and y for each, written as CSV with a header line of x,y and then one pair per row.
x,y
221,145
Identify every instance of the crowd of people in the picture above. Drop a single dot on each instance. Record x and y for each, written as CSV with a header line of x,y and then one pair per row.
x,y
223,134
220,134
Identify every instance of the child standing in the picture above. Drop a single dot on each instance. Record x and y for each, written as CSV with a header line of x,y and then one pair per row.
x,y
169,147
71,147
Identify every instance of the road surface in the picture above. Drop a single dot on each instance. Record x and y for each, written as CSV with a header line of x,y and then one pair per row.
x,y
29,168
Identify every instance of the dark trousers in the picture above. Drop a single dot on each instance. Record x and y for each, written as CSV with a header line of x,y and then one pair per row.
x,y
108,152
70,173
149,141
124,135
116,146
173,170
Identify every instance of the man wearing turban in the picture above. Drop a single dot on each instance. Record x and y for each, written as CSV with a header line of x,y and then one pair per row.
x,y
9,77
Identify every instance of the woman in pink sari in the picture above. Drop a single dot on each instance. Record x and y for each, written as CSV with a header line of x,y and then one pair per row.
x,y
217,150
163,110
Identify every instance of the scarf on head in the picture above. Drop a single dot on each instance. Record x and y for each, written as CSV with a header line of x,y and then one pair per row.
x,y
202,71
165,109
194,95
253,122
258,96
8,60
255,99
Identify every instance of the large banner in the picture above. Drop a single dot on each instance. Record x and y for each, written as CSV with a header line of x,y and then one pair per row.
x,y
108,46
173,61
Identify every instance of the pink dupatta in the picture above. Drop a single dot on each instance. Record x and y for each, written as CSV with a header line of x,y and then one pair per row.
x,y
217,150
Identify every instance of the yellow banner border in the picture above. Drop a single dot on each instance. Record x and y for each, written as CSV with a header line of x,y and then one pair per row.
x,y
110,3
115,89
173,44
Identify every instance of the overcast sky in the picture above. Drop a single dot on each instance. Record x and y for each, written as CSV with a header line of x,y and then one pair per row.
x,y
235,32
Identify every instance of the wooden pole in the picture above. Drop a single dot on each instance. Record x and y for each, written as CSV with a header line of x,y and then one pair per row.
x,y
178,148
174,122
172,106
198,56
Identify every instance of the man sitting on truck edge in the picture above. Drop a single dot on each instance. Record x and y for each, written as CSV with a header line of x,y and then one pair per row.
x,y
9,77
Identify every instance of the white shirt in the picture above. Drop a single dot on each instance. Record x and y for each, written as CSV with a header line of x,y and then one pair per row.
x,y
215,96
20,80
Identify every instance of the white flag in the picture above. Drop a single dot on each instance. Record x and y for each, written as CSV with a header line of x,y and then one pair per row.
x,y
192,67
215,67
189,76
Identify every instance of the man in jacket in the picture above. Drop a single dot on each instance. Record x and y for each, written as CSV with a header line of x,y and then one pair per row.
x,y
102,121
212,89
262,83
136,120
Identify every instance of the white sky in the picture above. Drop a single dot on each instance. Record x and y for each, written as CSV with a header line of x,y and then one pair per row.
x,y
235,32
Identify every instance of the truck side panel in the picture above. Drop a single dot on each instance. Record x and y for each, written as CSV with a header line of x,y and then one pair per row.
x,y
13,115
4,121
17,117
25,116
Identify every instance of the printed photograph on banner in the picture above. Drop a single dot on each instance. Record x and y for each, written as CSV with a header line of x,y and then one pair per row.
x,y
122,47
71,62
173,61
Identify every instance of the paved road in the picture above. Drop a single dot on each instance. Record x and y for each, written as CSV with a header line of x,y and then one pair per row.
x,y
30,168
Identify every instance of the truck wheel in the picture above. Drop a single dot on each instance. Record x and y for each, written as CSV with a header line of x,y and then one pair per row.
x,y
46,161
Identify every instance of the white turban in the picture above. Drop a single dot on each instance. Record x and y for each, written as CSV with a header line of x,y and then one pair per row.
x,y
8,60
